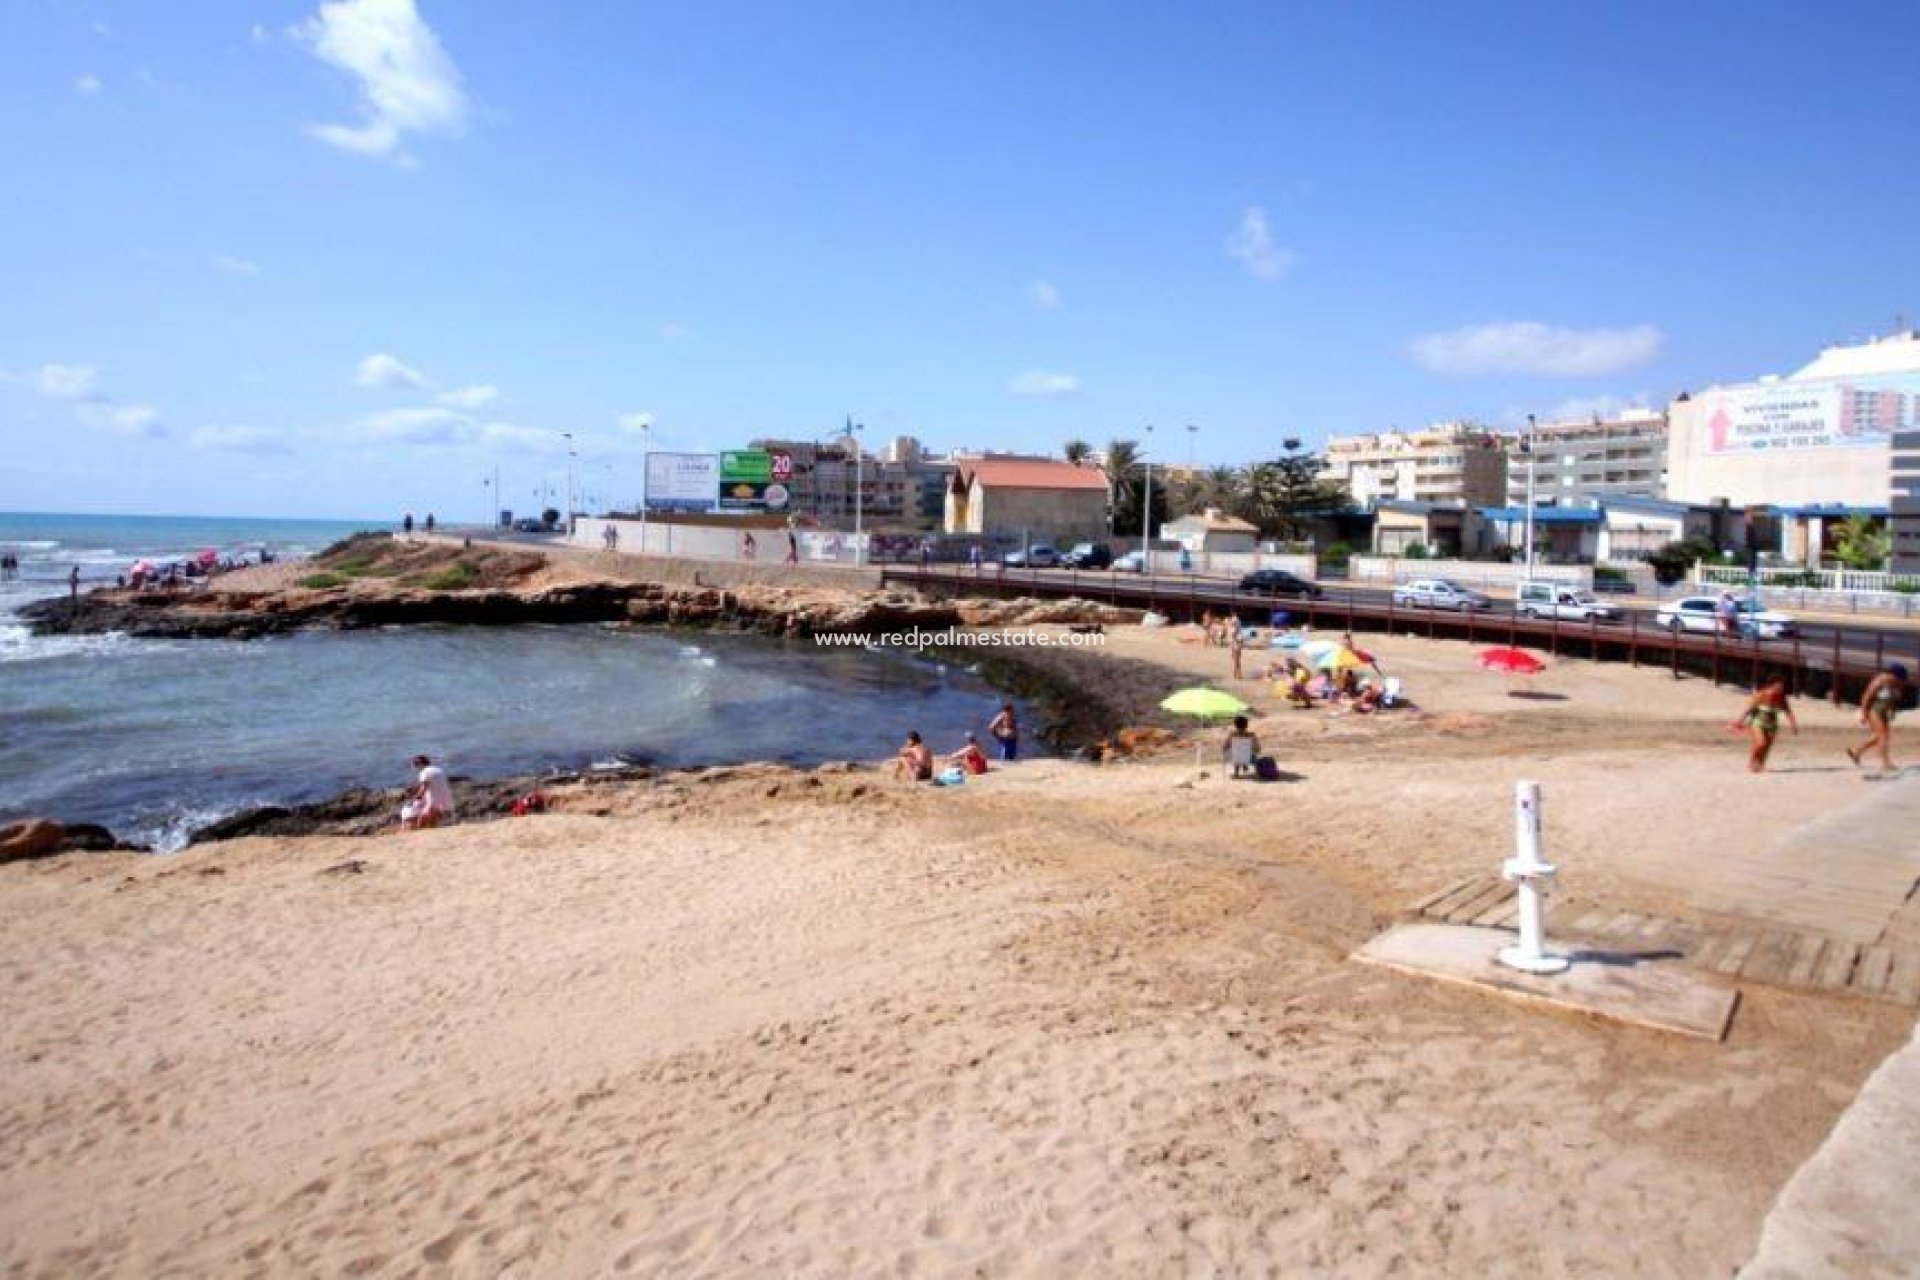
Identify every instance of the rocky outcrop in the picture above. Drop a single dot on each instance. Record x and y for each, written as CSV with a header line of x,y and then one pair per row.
x,y
45,838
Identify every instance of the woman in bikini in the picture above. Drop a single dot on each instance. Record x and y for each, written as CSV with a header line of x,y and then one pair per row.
x,y
1878,703
1762,720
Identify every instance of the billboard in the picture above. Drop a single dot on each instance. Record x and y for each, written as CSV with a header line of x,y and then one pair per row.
x,y
682,481
1814,414
754,480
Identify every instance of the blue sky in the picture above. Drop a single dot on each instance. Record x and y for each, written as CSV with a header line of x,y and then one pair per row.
x,y
347,258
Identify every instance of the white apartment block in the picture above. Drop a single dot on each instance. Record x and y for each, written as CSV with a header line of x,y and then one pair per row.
x,y
1591,458
1454,462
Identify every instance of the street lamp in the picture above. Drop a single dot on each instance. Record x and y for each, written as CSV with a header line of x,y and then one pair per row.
x,y
859,474
646,438
1526,447
1146,503
569,438
1192,431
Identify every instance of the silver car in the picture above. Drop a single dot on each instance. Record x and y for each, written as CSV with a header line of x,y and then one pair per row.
x,y
1439,593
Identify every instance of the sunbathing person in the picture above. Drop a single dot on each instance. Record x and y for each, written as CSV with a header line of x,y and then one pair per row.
x,y
970,757
914,763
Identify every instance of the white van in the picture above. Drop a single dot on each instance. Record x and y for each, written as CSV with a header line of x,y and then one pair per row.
x,y
1558,600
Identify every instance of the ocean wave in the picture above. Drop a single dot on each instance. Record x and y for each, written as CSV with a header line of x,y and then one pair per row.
x,y
19,644
28,544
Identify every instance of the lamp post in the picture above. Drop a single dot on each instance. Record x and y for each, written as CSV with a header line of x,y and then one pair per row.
x,y
569,438
646,438
859,504
1526,447
1192,432
1146,505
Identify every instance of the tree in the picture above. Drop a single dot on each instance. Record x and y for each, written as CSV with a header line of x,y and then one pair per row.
x,y
1078,452
1859,542
1672,562
1283,493
1128,477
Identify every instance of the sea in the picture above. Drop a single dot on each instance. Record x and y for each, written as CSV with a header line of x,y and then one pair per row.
x,y
157,738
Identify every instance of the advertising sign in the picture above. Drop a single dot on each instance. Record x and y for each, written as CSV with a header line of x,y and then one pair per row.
x,y
1814,414
682,481
754,480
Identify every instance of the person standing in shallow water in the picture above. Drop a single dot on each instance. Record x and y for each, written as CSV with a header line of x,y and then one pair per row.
x,y
1006,731
406,524
1761,719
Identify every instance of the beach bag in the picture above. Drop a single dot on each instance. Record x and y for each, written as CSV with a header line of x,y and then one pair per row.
x,y
1266,769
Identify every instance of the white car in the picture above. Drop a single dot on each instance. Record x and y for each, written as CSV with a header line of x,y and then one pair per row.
x,y
1702,613
1554,600
1439,593
1132,562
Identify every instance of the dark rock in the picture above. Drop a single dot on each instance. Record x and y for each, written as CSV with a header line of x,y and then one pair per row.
x,y
29,838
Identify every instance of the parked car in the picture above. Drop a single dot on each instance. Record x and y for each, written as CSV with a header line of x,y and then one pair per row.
x,y
1439,593
1557,600
1702,613
1033,558
1278,582
528,524
1087,555
1132,562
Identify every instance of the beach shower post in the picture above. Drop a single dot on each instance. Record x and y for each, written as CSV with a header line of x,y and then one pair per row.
x,y
1531,876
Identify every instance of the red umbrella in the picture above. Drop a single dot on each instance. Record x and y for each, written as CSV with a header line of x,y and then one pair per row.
x,y
208,558
1514,662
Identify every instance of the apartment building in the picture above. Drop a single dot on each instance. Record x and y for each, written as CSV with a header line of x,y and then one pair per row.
x,y
1590,459
1452,462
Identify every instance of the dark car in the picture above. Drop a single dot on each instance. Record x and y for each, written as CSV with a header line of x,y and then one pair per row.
x,y
1087,555
529,525
1278,582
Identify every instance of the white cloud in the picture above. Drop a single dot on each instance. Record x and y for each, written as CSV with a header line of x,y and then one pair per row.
x,y
236,439
383,370
1043,295
410,426
636,422
407,82
1251,245
1038,382
478,396
87,85
62,381
235,266
1527,348
260,35
120,419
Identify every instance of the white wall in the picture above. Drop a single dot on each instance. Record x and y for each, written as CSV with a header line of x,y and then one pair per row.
x,y
1470,573
1222,564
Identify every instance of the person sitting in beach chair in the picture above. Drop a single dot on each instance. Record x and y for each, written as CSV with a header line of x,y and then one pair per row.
x,y
1242,745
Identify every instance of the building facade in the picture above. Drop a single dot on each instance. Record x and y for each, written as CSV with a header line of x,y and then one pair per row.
x,y
899,486
1452,462
1590,459
1037,501
1903,522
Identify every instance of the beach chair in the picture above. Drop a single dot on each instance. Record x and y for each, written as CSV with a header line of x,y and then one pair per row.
x,y
1239,756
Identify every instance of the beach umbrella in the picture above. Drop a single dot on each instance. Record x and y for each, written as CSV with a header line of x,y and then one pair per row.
x,y
1204,704
1340,658
1513,662
208,558
1314,648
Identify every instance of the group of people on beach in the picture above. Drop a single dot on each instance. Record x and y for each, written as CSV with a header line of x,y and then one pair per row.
x,y
9,567
1880,701
916,762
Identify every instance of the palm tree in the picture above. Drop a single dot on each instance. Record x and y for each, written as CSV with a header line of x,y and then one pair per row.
x,y
1078,452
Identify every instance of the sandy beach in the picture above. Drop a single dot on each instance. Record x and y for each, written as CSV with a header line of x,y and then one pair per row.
x,y
1067,1019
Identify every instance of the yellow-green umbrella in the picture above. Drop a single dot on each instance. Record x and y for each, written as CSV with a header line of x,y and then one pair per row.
x,y
1204,703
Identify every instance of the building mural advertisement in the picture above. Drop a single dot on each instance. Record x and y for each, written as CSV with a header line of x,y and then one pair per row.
x,y
1814,414
682,481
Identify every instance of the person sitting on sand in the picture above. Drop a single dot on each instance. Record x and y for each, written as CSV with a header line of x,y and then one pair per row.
x,y
915,761
1369,700
429,800
1240,734
970,757
1762,720
1299,684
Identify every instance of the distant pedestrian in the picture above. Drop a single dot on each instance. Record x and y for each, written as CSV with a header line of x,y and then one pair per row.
x,y
429,799
973,556
1727,609
73,585
793,547
1879,702
429,524
1236,645
610,538
748,547
406,524
1761,720
1005,729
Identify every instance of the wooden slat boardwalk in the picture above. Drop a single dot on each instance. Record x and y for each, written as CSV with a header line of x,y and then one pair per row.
x,y
1831,907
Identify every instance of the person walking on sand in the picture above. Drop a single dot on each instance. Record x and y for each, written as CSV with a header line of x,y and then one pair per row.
x,y
1236,646
1762,720
1879,702
429,800
914,763
1005,729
